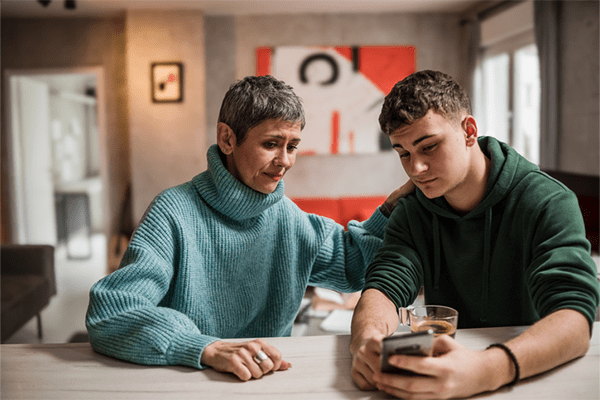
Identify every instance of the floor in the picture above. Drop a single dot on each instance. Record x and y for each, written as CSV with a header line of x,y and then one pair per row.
x,y
64,318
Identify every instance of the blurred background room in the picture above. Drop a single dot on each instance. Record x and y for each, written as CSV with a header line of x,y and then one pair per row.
x,y
90,134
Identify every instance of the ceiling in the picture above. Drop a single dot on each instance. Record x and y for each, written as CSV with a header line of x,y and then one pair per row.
x,y
104,8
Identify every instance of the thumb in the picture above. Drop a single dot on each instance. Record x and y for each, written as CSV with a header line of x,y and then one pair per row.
x,y
284,365
443,344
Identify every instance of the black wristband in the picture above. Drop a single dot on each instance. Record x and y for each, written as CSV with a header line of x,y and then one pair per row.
x,y
513,358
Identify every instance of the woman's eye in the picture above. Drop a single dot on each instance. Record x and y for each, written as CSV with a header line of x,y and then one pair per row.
x,y
292,148
270,145
404,155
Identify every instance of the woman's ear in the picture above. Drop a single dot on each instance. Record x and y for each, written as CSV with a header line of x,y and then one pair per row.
x,y
225,138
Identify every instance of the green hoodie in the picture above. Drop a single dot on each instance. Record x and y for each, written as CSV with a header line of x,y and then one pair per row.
x,y
518,256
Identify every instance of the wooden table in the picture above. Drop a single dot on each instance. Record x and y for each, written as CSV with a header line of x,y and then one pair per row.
x,y
321,370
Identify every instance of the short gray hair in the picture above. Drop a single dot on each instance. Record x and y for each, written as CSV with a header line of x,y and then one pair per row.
x,y
255,99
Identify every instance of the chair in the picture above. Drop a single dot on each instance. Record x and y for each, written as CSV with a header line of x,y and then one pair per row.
x,y
27,282
587,189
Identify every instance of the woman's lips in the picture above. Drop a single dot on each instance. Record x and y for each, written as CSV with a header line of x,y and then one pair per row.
x,y
275,177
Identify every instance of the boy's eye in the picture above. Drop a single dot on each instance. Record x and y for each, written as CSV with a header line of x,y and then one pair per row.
x,y
292,147
429,147
270,145
404,155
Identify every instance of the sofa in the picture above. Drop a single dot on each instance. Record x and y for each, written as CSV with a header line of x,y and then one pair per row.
x,y
342,209
28,283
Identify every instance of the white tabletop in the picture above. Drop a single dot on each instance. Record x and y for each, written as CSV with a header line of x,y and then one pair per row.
x,y
321,370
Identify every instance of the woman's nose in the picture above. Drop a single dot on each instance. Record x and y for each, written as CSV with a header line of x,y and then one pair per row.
x,y
282,159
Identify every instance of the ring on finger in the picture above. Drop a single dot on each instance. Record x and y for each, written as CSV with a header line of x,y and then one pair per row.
x,y
260,357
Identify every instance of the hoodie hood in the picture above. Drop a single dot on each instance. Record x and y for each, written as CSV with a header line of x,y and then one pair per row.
x,y
508,168
223,192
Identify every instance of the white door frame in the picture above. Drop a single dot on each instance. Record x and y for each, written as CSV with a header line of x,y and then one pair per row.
x,y
15,173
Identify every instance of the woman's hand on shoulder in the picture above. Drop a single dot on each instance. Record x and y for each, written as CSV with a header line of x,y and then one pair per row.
x,y
241,358
403,191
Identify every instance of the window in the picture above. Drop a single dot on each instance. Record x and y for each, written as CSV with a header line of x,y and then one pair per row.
x,y
507,82
526,92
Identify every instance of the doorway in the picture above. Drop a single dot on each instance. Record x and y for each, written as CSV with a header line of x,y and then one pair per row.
x,y
59,167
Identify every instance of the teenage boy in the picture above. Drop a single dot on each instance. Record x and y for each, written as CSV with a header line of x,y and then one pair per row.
x,y
486,233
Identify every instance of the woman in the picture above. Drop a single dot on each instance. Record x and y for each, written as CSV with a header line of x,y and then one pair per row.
x,y
227,255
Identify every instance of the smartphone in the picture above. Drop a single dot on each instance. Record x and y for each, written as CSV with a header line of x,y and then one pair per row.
x,y
413,344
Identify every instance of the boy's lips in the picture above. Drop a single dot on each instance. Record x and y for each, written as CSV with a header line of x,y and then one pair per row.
x,y
425,181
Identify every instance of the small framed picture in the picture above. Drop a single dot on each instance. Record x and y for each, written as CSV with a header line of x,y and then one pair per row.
x,y
167,82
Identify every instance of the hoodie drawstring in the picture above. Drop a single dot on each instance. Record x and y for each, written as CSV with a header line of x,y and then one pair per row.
x,y
436,253
485,277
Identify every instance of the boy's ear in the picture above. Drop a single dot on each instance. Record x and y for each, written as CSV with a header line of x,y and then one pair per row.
x,y
225,138
469,126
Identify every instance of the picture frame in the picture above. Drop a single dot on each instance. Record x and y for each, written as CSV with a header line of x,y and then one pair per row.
x,y
167,82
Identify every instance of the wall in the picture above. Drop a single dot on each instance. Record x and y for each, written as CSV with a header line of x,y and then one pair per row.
x,y
167,140
219,39
66,43
229,43
436,37
578,148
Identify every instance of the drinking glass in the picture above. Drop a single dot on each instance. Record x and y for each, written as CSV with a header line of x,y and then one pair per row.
x,y
441,319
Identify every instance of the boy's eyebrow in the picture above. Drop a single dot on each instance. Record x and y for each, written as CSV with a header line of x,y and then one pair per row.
x,y
416,142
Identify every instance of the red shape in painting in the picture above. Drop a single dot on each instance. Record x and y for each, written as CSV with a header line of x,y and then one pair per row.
x,y
263,61
335,132
344,51
383,65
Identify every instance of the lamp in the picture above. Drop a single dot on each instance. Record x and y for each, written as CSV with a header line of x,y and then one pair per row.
x,y
69,4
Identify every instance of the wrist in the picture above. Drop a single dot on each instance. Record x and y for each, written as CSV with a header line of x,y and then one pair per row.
x,y
358,340
209,352
504,371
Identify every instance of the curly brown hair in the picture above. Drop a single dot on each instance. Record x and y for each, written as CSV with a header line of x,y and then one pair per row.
x,y
412,97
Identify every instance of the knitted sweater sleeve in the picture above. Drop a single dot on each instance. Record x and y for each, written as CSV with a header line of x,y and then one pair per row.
x,y
344,254
125,319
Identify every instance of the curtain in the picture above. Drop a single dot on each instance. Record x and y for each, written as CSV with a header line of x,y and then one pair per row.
x,y
546,14
471,29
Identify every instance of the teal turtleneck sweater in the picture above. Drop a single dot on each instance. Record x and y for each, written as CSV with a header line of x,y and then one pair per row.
x,y
213,259
518,256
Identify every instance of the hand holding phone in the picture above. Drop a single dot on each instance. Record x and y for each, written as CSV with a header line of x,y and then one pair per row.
x,y
413,344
